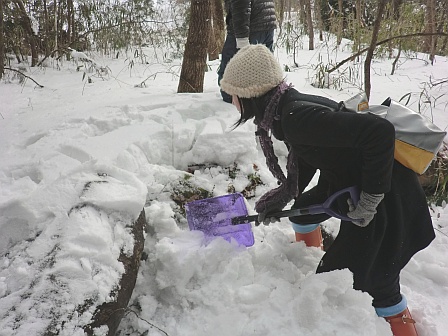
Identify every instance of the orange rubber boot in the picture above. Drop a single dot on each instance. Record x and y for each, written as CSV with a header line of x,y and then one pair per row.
x,y
313,238
402,324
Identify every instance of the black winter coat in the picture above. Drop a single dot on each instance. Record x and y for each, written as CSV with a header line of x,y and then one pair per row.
x,y
249,16
357,149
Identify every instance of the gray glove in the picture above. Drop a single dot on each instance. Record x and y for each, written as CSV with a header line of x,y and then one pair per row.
x,y
364,212
242,42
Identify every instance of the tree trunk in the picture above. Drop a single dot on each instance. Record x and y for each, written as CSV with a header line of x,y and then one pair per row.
x,y
368,61
60,23
47,48
218,30
26,25
358,24
430,27
56,46
396,8
195,55
281,12
70,23
302,14
444,18
219,23
340,22
2,54
358,10
319,20
309,20
112,312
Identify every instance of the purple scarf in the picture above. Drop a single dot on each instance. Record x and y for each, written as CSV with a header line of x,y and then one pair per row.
x,y
288,189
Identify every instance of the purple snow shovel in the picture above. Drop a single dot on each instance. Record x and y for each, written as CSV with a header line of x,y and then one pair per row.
x,y
213,216
226,216
329,207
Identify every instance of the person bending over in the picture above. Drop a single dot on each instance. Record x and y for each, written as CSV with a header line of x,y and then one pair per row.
x,y
391,221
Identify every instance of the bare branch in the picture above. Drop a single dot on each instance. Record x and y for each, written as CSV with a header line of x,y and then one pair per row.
x,y
352,57
443,81
120,24
127,311
22,74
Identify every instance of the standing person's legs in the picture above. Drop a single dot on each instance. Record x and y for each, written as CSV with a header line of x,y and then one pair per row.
x,y
390,304
263,37
355,248
228,50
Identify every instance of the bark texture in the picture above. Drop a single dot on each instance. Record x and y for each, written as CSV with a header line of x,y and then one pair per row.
x,y
368,61
195,56
111,313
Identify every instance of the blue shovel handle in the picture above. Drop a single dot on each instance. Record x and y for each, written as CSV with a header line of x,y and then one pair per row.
x,y
325,207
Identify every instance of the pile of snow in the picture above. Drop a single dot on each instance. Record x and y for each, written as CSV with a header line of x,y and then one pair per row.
x,y
133,145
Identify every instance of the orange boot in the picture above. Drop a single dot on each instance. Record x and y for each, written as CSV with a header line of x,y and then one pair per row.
x,y
402,324
310,234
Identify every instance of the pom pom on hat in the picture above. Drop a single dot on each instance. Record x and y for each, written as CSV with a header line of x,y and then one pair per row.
x,y
251,72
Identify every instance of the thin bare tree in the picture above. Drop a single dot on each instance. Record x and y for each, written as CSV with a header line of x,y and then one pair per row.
x,y
309,21
368,61
318,18
46,28
358,23
2,54
218,30
27,27
195,55
56,42
396,4
283,9
70,21
429,45
280,6
443,19
302,14
340,18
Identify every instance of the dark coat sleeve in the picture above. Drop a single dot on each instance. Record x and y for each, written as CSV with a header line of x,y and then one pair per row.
x,y
245,17
241,11
319,128
306,174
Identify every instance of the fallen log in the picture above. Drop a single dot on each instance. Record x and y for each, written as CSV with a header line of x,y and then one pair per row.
x,y
111,313
73,269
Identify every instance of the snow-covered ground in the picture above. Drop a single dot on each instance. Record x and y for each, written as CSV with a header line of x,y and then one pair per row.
x,y
120,146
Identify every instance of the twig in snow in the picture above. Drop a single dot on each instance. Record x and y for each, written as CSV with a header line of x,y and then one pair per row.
x,y
22,74
152,325
441,232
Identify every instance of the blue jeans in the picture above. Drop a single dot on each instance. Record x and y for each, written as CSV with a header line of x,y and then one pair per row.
x,y
229,49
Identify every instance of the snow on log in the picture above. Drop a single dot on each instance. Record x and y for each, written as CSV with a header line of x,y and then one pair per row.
x,y
74,267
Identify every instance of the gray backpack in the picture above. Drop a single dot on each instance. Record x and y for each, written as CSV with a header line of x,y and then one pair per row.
x,y
417,139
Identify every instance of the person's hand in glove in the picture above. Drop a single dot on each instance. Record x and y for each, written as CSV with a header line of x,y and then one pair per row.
x,y
273,201
266,218
242,42
365,210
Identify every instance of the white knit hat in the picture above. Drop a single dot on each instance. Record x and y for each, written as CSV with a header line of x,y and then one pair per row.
x,y
251,72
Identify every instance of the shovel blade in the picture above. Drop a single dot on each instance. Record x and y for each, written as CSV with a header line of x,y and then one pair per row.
x,y
213,216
